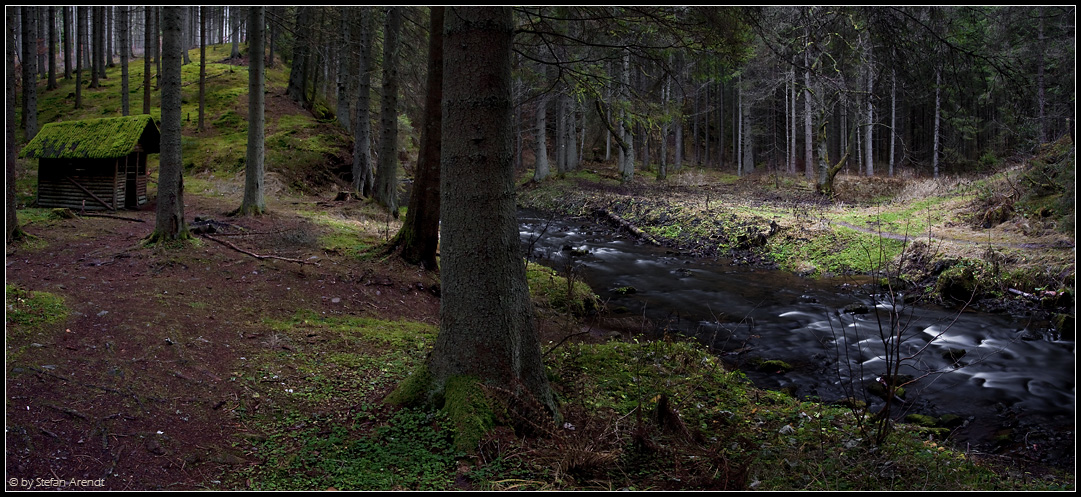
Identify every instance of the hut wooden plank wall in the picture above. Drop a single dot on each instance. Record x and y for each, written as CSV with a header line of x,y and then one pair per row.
x,y
96,163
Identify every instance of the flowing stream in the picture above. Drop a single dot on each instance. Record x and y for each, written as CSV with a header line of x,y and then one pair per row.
x,y
1001,374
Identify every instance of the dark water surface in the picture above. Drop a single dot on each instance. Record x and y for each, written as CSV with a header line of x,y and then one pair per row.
x,y
1012,377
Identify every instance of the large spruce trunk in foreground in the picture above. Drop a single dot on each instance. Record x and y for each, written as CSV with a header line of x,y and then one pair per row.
x,y
487,335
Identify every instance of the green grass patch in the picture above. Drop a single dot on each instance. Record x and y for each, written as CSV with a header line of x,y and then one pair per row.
x,y
29,311
313,399
840,251
30,317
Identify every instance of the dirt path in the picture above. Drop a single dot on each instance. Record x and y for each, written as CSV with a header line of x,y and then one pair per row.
x,y
135,390
895,236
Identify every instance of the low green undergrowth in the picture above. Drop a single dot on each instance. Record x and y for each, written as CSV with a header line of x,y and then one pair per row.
x,y
30,318
312,408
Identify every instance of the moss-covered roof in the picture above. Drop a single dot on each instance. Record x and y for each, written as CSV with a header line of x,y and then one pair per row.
x,y
102,138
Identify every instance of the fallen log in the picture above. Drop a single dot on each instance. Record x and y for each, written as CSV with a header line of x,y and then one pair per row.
x,y
623,223
253,254
113,217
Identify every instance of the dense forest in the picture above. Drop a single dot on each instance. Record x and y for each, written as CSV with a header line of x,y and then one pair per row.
x,y
432,127
906,90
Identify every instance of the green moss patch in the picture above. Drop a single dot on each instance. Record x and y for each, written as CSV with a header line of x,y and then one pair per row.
x,y
549,288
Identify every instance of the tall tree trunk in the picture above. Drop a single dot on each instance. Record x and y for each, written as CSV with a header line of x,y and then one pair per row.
x,y
560,136
747,137
169,223
666,93
487,333
96,65
184,45
738,142
67,41
297,89
234,31
540,166
705,125
11,220
628,137
202,67
51,19
125,34
79,12
1041,101
868,147
893,117
345,75
826,171
419,236
386,174
608,117
148,47
938,114
275,19
808,163
572,134
363,179
254,201
40,42
30,72
720,124
792,123
109,19
157,47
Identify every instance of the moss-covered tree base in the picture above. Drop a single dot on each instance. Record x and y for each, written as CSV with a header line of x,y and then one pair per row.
x,y
249,210
462,398
158,237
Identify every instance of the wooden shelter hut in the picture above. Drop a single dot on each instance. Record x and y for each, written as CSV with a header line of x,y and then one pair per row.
x,y
96,163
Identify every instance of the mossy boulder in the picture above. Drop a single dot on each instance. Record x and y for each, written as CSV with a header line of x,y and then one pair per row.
x,y
773,365
921,420
957,283
547,287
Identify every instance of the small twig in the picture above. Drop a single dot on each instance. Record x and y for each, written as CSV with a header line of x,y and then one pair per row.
x,y
565,339
68,411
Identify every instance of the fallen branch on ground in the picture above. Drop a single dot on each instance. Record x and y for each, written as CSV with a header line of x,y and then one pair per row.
x,y
257,256
113,217
623,223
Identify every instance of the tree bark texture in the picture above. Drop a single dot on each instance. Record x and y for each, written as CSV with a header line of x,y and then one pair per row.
x,y
30,91
297,88
419,236
148,45
125,36
51,19
11,221
486,317
169,224
254,201
202,67
386,174
363,175
540,166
